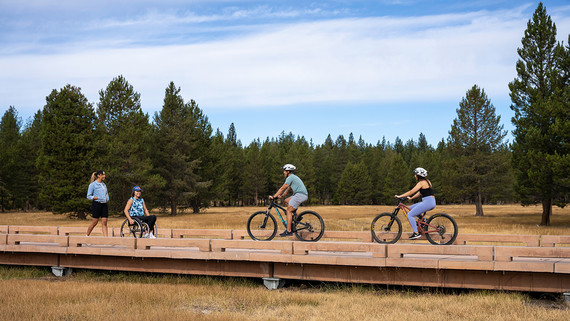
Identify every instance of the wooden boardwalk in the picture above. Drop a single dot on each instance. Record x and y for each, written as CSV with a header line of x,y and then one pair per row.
x,y
476,261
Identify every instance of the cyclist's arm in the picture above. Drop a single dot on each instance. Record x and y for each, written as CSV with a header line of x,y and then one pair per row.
x,y
282,190
415,195
413,191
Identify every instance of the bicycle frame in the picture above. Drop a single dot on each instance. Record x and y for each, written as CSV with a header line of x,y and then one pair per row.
x,y
277,207
421,222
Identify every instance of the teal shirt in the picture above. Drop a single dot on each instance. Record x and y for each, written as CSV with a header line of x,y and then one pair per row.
x,y
296,185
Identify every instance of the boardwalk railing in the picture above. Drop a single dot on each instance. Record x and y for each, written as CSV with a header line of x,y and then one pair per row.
x,y
540,262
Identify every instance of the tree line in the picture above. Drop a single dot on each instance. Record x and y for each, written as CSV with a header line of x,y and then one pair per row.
x,y
182,164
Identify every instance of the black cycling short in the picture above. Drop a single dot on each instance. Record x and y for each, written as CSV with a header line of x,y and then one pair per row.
x,y
99,210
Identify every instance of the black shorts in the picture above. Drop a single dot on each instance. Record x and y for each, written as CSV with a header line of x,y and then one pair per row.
x,y
99,210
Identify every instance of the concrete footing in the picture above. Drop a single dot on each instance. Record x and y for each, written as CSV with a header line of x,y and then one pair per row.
x,y
273,283
61,271
567,298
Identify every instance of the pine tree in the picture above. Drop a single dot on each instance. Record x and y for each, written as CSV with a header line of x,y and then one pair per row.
x,y
541,116
354,186
124,130
475,138
67,155
29,149
9,161
174,151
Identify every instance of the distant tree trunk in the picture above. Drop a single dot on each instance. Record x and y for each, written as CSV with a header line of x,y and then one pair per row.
x,y
478,200
172,207
195,206
546,211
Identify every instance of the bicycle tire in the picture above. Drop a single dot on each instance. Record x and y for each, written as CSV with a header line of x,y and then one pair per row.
x,y
446,229
383,229
309,226
134,229
261,226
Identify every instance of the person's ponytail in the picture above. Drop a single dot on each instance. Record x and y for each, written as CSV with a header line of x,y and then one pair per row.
x,y
96,174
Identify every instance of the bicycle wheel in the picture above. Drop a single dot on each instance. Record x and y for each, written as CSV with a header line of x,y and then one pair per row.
x,y
386,228
134,229
441,229
261,226
309,226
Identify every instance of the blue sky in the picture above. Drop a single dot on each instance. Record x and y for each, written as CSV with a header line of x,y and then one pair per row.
x,y
385,68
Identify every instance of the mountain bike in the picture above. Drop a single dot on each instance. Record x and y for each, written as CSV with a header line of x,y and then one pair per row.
x,y
439,229
307,226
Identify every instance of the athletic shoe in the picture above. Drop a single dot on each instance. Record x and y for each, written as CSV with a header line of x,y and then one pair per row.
x,y
415,236
286,233
151,236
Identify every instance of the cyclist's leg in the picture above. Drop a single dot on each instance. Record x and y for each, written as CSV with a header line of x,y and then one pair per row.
x,y
427,204
293,203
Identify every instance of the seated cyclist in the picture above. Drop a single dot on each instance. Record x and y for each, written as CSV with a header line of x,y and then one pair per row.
x,y
136,208
300,194
423,188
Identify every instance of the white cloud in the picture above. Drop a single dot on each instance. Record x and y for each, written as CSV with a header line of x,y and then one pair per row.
x,y
354,60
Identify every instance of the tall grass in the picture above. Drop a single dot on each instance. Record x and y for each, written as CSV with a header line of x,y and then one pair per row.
x,y
89,295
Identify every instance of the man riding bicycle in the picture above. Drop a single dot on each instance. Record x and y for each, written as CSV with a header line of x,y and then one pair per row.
x,y
299,196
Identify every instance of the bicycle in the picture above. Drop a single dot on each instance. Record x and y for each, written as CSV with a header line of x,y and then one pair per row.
x,y
307,226
439,229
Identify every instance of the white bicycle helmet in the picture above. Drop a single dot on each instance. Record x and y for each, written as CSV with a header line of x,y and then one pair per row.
x,y
289,167
420,172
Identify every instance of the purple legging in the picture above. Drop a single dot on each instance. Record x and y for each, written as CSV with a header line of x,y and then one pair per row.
x,y
427,204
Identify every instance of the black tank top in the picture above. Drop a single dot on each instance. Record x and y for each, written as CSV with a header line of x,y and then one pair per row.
x,y
426,192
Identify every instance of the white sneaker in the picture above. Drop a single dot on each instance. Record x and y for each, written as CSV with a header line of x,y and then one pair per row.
x,y
150,236
145,236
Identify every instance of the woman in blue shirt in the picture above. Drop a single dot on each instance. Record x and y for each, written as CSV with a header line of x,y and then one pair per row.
x,y
99,196
136,208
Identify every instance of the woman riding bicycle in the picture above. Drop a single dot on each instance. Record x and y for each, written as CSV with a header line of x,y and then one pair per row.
x,y
423,188
300,194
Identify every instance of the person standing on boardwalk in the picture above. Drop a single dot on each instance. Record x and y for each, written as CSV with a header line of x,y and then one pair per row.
x,y
97,193
300,194
136,209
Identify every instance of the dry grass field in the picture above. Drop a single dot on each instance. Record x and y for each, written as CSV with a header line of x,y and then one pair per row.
x,y
498,219
35,294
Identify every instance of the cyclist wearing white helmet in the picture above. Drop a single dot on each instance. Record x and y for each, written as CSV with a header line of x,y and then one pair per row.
x,y
423,188
299,196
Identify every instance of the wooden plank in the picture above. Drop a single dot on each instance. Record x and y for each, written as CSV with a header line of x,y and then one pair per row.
x,y
303,248
482,252
554,240
3,229
528,240
508,253
21,229
39,239
285,247
240,235
82,241
146,244
209,233
348,235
